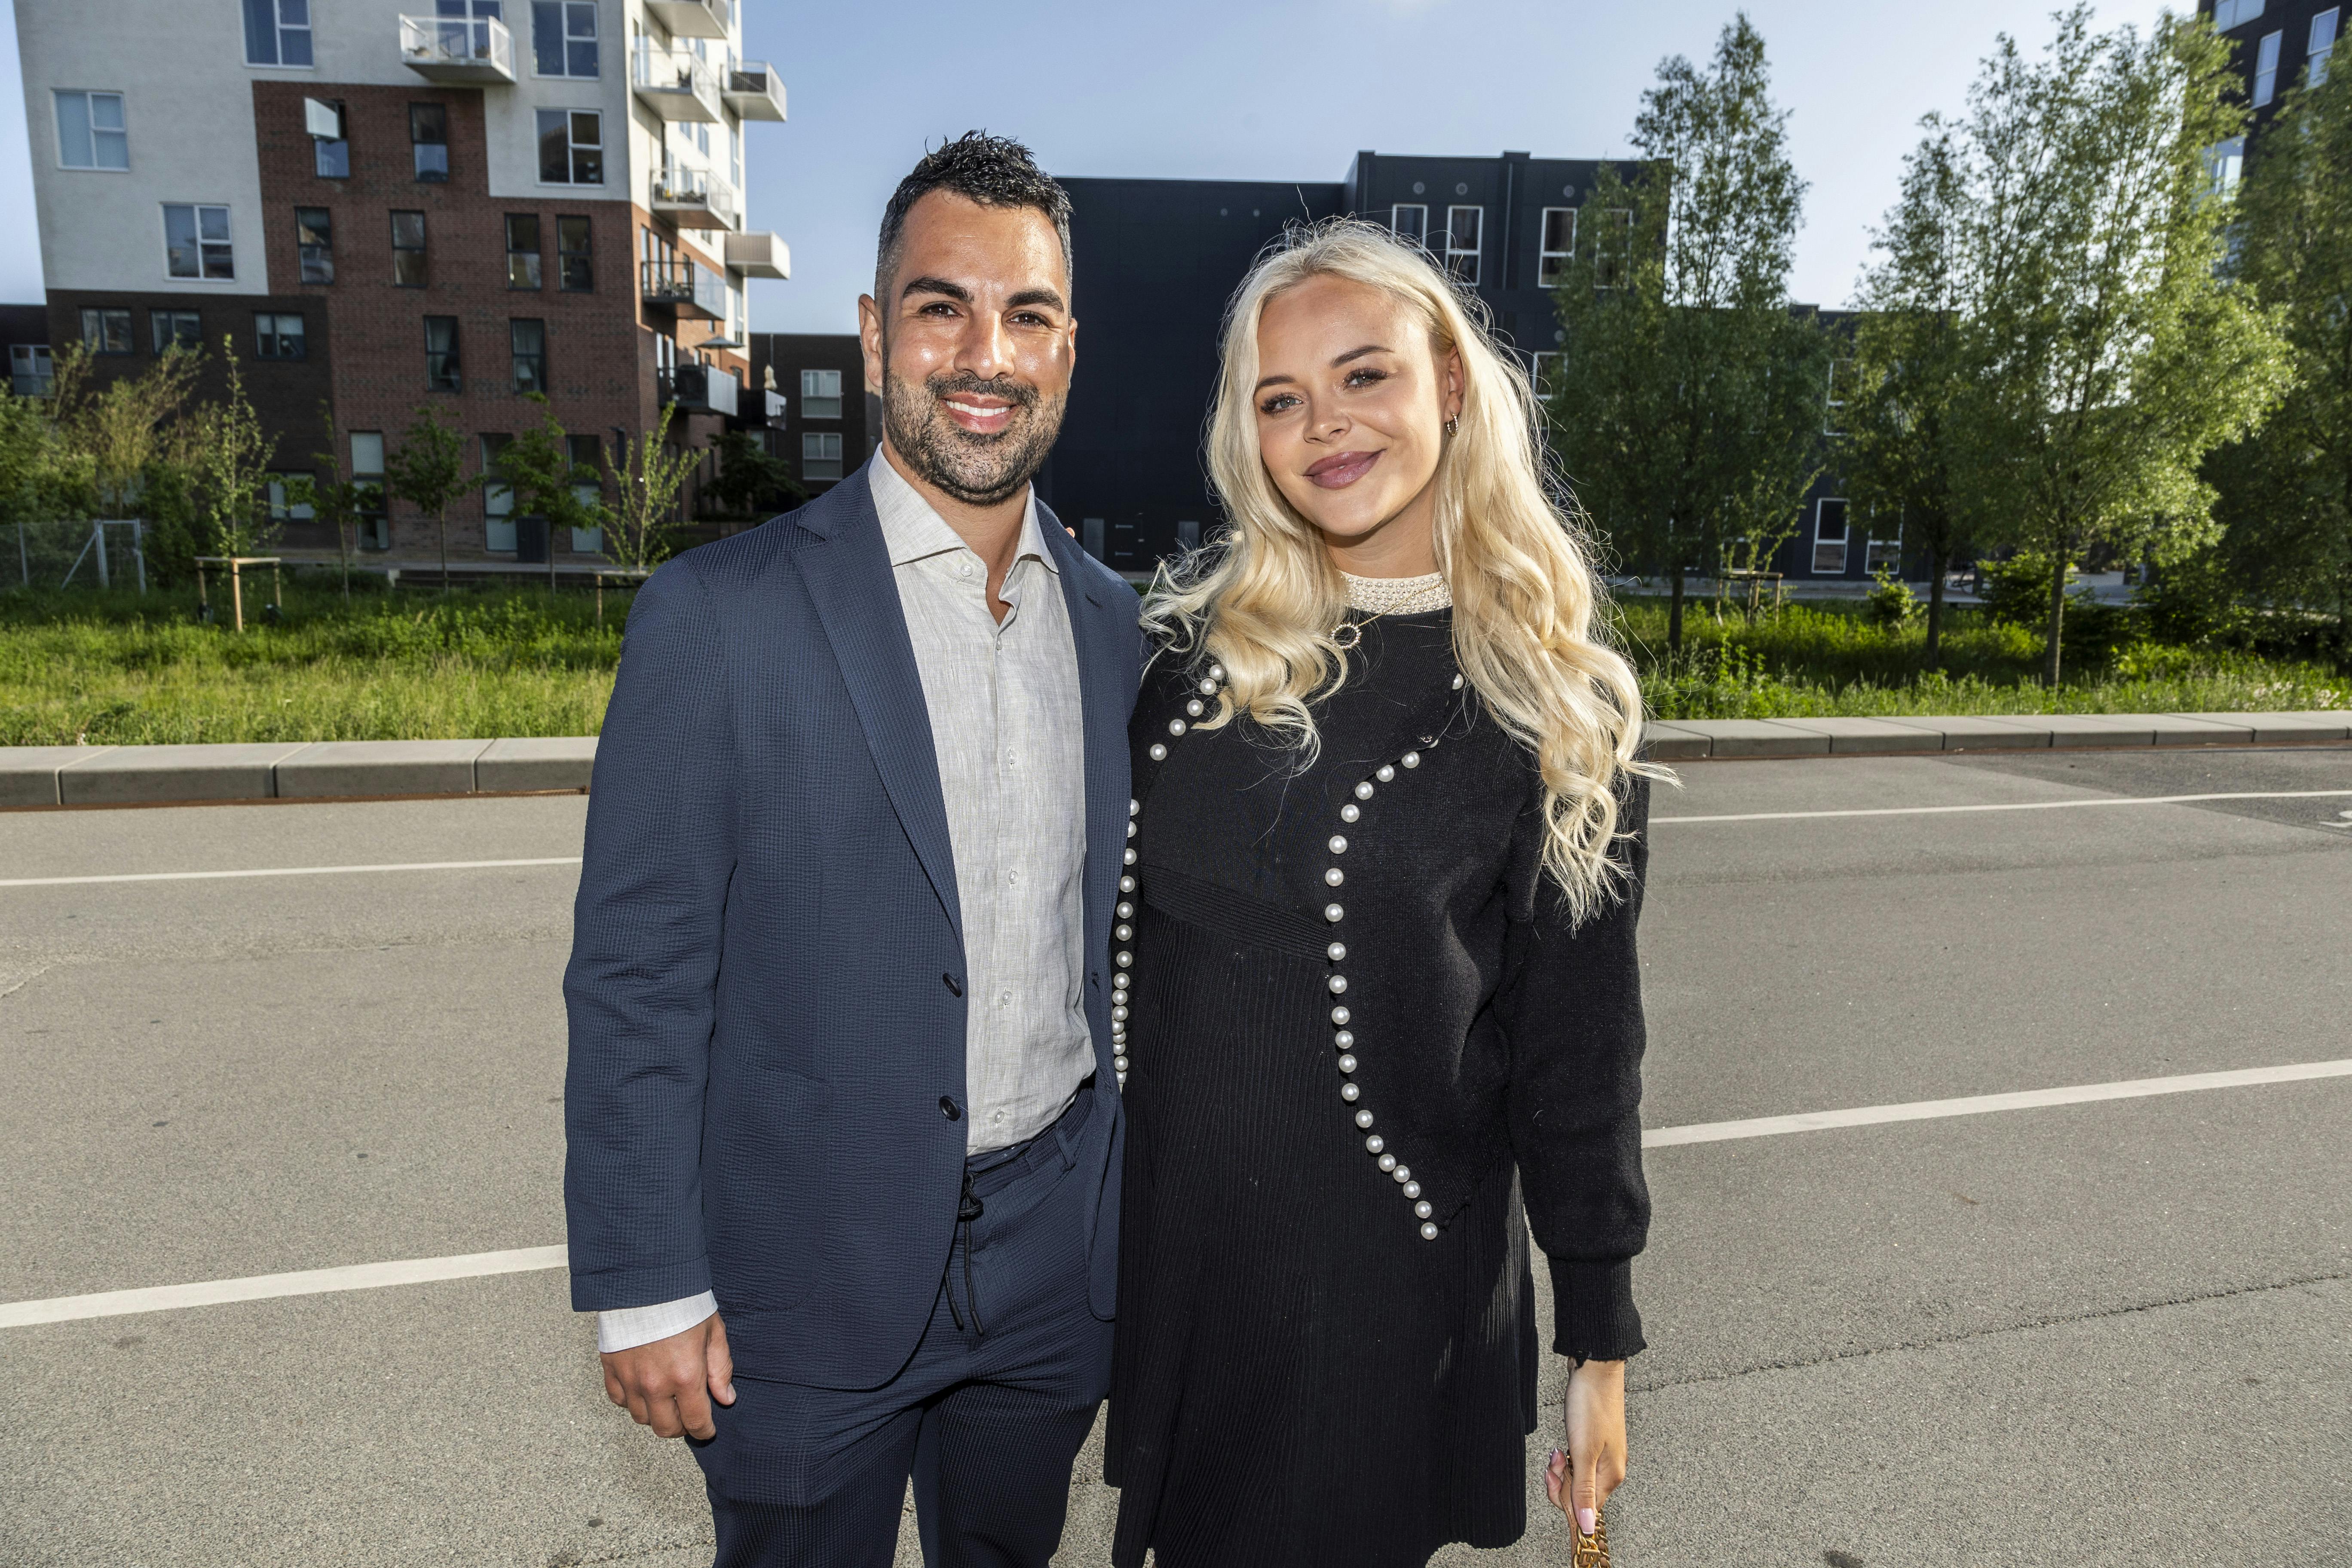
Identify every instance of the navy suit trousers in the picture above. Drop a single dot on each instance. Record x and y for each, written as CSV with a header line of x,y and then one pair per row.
x,y
986,1418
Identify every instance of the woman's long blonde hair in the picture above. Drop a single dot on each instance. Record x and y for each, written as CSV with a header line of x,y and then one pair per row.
x,y
1267,603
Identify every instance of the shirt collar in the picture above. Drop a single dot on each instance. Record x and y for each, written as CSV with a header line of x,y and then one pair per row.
x,y
913,530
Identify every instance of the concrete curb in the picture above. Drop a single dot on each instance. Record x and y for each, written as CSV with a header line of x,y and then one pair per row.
x,y
34,776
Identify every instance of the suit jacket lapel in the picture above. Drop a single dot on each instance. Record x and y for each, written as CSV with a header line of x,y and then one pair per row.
x,y
849,577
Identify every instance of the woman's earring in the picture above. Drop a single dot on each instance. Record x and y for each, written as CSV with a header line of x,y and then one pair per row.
x,y
1454,426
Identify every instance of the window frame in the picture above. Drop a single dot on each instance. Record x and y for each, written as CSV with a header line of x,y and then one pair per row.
x,y
536,254
156,318
565,254
2229,13
278,30
519,356
1420,236
812,398
100,315
375,512
821,447
567,11
417,142
498,496
1844,541
324,246
1462,265
1603,275
91,130
269,342
1548,275
2315,53
572,148
449,376
2266,58
228,243
420,249
1872,546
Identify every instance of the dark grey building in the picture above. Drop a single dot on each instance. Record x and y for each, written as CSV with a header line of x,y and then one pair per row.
x,y
26,330
820,421
1156,261
2277,44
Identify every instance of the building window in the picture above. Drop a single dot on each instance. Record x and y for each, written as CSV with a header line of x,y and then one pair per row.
x,y
32,371
301,511
571,147
277,32
278,335
1547,365
90,134
497,498
2266,53
563,37
367,472
314,237
576,270
106,332
408,250
1612,241
195,242
330,149
522,250
429,140
821,455
1465,229
1554,246
174,329
1884,554
1410,221
2229,13
2323,44
588,490
1828,539
441,353
820,395
1841,382
529,341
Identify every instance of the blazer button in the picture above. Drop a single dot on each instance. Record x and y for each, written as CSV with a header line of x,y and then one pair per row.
x,y
954,985
951,1109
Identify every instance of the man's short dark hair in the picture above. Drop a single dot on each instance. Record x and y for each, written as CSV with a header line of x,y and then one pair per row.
x,y
993,171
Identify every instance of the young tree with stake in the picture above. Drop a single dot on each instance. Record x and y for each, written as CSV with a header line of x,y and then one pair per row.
x,y
428,472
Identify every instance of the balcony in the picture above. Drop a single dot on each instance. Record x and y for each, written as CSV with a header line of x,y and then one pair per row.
x,y
674,85
475,51
699,389
690,18
694,198
754,91
684,286
759,255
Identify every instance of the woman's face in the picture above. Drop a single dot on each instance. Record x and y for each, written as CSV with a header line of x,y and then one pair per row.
x,y
1352,403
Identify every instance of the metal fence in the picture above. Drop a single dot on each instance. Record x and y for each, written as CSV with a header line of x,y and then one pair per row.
x,y
100,553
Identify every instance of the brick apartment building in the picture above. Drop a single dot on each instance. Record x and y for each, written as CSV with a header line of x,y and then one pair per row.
x,y
382,210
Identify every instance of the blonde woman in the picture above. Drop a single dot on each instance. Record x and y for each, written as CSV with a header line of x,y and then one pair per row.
x,y
1377,1003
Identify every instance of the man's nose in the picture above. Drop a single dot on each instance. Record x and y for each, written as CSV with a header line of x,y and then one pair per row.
x,y
986,349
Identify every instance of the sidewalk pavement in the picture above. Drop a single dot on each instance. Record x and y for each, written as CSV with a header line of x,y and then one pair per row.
x,y
34,777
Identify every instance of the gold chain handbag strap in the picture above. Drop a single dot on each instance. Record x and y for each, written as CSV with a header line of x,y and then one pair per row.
x,y
1591,1551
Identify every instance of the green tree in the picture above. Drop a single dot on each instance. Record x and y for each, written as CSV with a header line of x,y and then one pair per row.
x,y
230,456
1688,410
2108,352
428,472
648,478
343,504
752,479
1910,366
2286,489
538,470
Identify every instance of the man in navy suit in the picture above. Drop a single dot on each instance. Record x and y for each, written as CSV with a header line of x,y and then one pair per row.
x,y
842,1114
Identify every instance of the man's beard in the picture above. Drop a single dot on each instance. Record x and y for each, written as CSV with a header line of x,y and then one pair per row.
x,y
978,471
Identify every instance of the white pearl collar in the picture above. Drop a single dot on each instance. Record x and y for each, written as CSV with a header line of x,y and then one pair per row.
x,y
1398,595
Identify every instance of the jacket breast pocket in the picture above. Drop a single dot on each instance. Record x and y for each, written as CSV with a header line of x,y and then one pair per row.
x,y
765,1195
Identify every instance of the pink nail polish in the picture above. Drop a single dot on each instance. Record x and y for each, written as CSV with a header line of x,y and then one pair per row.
x,y
1584,1519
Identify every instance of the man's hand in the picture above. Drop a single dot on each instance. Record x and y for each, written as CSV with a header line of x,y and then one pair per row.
x,y
668,1384
1580,1481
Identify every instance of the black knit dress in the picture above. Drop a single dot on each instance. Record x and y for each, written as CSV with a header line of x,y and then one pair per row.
x,y
1323,1360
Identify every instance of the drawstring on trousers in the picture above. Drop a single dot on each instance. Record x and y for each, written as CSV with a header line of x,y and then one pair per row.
x,y
968,1209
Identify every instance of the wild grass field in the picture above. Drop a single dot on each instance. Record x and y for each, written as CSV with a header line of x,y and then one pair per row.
x,y
86,667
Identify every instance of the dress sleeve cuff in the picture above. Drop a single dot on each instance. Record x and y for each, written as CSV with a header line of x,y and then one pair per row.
x,y
627,1328
1594,1306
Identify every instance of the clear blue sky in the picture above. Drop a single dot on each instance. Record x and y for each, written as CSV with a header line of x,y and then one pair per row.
x,y
1287,90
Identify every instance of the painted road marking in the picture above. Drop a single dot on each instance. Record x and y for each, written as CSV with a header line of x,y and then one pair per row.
x,y
472,1264
1982,1104
285,871
2015,806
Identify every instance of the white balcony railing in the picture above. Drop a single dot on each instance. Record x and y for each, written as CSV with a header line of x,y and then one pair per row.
x,y
754,91
695,199
691,18
476,49
674,84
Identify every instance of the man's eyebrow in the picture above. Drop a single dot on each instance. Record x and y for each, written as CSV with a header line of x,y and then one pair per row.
x,y
956,291
1046,297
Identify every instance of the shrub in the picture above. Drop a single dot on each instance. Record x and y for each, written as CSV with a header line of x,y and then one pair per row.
x,y
1893,604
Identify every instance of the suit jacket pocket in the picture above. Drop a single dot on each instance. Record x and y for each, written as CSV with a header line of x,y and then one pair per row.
x,y
764,1163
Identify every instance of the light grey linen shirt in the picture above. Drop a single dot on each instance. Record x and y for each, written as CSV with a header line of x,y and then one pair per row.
x,y
1008,733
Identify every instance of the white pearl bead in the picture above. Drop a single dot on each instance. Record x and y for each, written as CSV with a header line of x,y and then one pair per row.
x,y
1350,812
1422,1210
1385,774
1411,759
1458,683
1336,951
1388,1162
1118,1064
1413,1189
1347,1064
1339,1016
1159,752
1429,1232
1345,1039
1118,1014
1130,828
1403,1174
1350,1092
1217,672
1333,913
1129,858
1196,708
1339,845
1363,1119
1135,808
1122,1080
1208,688
1126,912
1334,877
1125,959
1364,792
1175,726
1337,984
1124,934
1127,884
1375,1144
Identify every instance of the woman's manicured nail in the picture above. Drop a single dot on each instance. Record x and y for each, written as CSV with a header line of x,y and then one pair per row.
x,y
1556,1456
1584,1519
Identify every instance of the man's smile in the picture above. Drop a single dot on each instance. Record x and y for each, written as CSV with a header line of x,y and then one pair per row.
x,y
978,413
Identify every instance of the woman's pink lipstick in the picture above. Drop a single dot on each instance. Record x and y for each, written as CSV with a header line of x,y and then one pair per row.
x,y
1341,469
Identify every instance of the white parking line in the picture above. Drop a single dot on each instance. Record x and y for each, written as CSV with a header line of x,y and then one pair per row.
x,y
285,871
473,1265
2015,806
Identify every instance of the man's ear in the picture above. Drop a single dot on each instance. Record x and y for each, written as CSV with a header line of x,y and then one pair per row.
x,y
869,340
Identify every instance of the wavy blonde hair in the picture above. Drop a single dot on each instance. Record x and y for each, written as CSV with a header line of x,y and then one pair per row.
x,y
1267,602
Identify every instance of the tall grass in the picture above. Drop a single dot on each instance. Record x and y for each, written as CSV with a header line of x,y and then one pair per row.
x,y
82,666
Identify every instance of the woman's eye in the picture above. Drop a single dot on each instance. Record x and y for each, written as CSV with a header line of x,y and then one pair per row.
x,y
1365,377
1277,403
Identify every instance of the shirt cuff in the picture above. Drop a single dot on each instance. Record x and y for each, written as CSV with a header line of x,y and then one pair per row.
x,y
1593,1303
625,1328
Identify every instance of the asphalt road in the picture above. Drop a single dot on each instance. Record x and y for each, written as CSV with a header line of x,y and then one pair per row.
x,y
2107,1333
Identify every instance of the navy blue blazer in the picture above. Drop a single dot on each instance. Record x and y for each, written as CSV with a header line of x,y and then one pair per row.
x,y
766,1091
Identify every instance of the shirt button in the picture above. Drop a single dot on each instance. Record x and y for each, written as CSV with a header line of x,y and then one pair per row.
x,y
963,569
1005,999
1013,878
1012,759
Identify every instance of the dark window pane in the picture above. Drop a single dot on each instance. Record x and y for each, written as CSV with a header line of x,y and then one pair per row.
x,y
441,352
587,166
583,53
571,242
547,37
260,33
554,148
408,231
180,242
334,160
428,122
294,45
432,162
522,231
